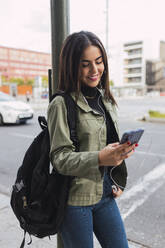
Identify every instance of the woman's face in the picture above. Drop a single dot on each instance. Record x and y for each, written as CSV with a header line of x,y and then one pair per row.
x,y
91,66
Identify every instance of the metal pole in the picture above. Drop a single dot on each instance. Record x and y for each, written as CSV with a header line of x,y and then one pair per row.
x,y
59,30
50,83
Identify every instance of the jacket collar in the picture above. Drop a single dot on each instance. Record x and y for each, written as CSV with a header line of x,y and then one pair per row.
x,y
83,104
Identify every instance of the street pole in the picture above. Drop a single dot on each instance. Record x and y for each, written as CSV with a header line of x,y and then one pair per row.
x,y
59,31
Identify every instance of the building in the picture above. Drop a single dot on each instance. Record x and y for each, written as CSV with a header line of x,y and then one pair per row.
x,y
155,71
155,75
143,63
137,66
21,63
134,64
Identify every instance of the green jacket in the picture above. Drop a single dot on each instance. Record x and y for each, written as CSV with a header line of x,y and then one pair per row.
x,y
87,186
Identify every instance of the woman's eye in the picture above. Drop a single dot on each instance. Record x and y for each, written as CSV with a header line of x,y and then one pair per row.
x,y
99,62
85,65
88,64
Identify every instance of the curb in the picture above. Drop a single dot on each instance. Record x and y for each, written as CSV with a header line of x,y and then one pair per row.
x,y
150,119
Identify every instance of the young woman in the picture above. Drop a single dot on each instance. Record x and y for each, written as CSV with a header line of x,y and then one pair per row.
x,y
99,164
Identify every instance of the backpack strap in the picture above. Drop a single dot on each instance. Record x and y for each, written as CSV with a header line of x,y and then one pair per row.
x,y
42,121
23,241
71,107
72,119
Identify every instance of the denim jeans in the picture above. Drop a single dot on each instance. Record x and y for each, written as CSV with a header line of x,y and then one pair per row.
x,y
102,218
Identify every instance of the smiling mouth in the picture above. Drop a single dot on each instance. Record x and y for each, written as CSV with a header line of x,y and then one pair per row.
x,y
93,78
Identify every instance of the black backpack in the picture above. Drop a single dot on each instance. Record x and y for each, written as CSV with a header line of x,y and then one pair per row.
x,y
40,194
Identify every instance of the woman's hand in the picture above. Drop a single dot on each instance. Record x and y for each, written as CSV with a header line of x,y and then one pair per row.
x,y
113,154
116,191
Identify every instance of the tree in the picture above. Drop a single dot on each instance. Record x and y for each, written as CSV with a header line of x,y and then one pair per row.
x,y
30,82
19,81
3,78
45,81
111,83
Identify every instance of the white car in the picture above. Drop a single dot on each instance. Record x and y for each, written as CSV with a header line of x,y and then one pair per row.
x,y
13,111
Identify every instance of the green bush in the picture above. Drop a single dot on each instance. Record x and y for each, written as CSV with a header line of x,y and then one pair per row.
x,y
156,114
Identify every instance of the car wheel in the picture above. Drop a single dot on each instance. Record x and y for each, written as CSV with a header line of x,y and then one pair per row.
x,y
1,120
17,121
23,122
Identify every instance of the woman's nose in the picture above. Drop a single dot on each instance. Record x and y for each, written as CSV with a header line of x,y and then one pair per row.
x,y
94,68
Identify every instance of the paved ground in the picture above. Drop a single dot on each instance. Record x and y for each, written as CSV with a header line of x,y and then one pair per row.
x,y
11,234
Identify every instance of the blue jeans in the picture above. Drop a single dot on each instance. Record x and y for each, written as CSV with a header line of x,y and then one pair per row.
x,y
102,218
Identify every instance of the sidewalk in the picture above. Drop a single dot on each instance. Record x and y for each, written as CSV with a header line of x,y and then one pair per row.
x,y
36,104
39,104
42,104
11,235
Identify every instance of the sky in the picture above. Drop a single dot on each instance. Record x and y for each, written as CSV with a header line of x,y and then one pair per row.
x,y
26,24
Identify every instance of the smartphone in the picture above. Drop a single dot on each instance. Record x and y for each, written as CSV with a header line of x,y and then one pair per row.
x,y
132,136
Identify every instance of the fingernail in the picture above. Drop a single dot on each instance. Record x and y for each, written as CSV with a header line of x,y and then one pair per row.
x,y
128,142
136,144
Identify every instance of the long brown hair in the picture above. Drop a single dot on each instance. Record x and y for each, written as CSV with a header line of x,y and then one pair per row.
x,y
70,56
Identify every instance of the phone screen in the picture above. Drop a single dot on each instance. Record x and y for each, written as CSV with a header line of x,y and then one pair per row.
x,y
132,136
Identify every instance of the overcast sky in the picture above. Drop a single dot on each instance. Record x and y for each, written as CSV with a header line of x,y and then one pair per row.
x,y
26,23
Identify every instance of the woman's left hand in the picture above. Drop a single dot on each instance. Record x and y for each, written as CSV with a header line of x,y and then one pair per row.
x,y
116,192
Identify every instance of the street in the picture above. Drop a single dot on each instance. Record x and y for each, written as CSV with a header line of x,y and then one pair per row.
x,y
142,203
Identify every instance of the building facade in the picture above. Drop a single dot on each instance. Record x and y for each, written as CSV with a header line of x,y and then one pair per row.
x,y
155,75
21,63
134,64
137,66
143,63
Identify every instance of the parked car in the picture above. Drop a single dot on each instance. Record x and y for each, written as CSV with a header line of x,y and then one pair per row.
x,y
13,111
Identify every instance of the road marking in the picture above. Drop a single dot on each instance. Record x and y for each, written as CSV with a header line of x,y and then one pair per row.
x,y
151,153
140,192
22,135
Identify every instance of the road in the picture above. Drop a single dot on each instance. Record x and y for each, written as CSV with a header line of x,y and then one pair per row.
x,y
142,204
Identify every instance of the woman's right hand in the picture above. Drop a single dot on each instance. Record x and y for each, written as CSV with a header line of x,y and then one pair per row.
x,y
113,154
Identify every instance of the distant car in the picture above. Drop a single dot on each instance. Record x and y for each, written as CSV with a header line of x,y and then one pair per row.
x,y
13,111
44,95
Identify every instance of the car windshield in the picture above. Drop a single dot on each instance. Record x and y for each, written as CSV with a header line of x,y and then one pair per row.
x,y
5,97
